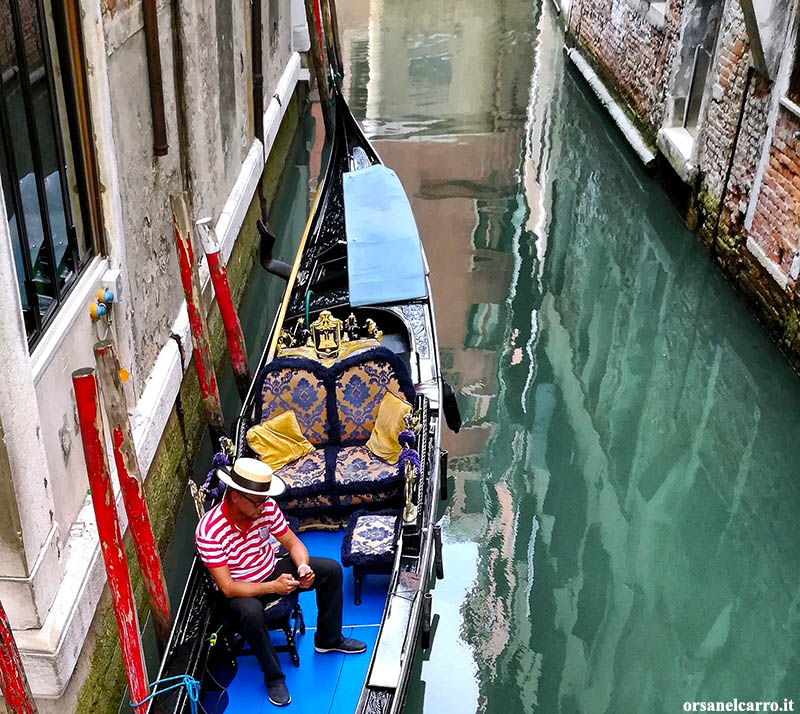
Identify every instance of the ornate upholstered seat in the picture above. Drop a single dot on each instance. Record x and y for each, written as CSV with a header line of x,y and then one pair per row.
x,y
362,478
336,408
306,474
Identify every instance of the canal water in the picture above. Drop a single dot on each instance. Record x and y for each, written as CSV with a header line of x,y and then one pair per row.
x,y
622,531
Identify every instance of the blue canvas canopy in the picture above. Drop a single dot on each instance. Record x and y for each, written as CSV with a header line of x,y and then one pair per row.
x,y
384,256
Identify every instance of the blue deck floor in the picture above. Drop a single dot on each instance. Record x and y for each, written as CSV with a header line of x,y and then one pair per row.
x,y
323,683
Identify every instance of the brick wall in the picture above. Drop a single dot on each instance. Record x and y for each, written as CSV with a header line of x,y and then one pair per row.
x,y
776,228
28,15
632,55
729,78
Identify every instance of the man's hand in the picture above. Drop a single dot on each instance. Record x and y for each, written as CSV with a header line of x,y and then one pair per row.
x,y
306,575
284,584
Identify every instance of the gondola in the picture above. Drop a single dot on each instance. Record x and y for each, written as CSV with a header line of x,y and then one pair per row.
x,y
356,321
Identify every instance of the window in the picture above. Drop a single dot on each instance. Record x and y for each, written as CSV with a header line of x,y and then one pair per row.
x,y
41,180
794,79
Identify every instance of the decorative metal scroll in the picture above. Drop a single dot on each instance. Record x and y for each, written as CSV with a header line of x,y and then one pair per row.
x,y
409,463
328,339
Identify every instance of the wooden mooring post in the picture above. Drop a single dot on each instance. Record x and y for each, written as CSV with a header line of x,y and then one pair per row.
x,y
331,24
317,59
132,487
237,351
13,682
90,418
190,280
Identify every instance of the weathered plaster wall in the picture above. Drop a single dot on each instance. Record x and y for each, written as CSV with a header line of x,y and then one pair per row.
x,y
66,469
214,39
97,686
206,70
277,32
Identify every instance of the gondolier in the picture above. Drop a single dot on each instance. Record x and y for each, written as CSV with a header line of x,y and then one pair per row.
x,y
233,541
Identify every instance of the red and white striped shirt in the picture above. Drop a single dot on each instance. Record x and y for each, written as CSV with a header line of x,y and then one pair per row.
x,y
247,553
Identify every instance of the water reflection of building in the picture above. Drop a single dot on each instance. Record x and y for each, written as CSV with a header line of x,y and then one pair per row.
x,y
451,80
638,461
433,74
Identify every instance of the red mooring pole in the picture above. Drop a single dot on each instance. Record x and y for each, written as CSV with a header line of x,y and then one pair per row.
x,y
130,481
90,419
233,329
191,288
13,682
318,60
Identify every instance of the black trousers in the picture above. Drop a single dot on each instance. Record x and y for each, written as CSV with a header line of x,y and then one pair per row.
x,y
249,613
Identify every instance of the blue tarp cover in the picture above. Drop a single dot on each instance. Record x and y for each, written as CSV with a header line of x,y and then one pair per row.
x,y
384,257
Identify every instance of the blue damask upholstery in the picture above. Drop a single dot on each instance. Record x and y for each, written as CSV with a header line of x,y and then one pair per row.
x,y
369,544
299,390
336,409
306,475
371,539
362,478
359,391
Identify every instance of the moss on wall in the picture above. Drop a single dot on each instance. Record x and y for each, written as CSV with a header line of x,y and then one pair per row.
x,y
172,465
775,309
625,100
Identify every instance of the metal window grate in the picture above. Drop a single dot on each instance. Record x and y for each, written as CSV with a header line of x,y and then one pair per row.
x,y
33,168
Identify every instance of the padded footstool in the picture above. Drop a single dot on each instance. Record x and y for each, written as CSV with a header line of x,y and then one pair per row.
x,y
369,544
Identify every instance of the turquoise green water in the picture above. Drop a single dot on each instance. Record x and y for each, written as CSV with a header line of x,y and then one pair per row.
x,y
623,532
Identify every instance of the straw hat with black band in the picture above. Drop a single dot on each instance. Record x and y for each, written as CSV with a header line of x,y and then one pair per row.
x,y
251,476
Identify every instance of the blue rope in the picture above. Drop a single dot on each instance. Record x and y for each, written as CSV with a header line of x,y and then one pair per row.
x,y
182,680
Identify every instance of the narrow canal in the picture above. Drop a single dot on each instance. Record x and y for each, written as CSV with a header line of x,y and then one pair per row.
x,y
622,530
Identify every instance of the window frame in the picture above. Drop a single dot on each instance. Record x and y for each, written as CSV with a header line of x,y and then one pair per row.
x,y
66,31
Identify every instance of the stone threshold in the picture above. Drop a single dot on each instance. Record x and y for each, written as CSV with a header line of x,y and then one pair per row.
x,y
618,114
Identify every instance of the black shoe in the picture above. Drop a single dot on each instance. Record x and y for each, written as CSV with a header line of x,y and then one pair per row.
x,y
278,694
345,646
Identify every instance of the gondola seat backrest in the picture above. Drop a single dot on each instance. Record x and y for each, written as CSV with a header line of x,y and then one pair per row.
x,y
333,405
336,408
292,384
360,387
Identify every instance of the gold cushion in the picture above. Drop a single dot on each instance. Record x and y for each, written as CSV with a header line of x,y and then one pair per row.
x,y
389,423
278,441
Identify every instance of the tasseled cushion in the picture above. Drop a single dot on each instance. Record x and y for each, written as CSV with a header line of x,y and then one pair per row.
x,y
370,539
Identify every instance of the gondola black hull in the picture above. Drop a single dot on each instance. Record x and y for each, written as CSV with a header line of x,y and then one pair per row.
x,y
319,281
